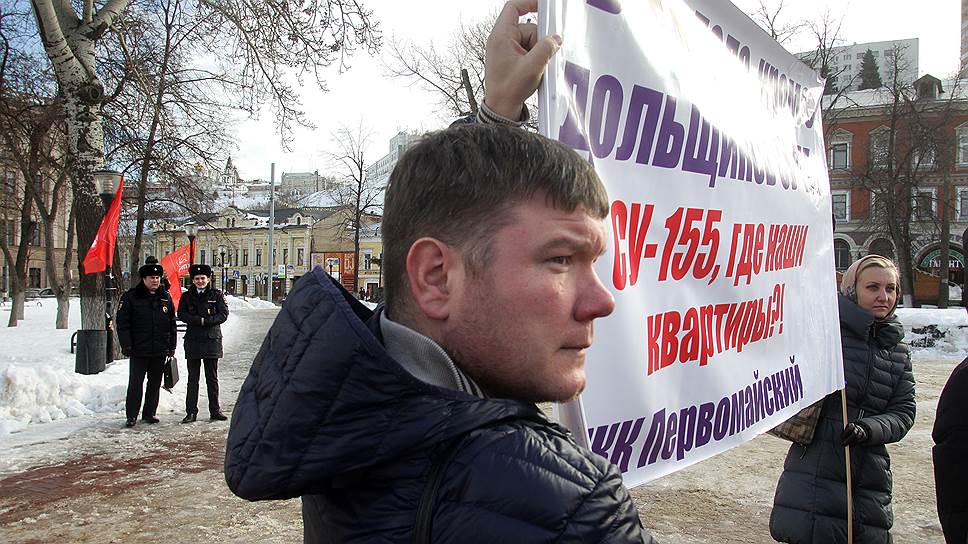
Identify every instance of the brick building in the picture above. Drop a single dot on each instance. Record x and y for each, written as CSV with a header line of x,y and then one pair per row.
x,y
898,165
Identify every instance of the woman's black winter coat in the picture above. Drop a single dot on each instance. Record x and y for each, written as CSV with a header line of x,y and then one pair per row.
x,y
810,505
204,314
146,323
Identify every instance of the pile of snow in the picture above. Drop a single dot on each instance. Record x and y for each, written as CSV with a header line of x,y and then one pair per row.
x,y
936,333
250,303
37,379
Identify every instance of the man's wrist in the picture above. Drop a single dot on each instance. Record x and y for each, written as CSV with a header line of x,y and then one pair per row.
x,y
488,115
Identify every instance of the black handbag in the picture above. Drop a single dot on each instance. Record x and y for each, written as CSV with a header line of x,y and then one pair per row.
x,y
170,373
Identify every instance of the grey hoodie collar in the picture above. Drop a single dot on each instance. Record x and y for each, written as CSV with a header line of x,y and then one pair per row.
x,y
424,358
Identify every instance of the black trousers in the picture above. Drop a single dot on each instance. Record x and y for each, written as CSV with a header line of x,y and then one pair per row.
x,y
211,384
139,368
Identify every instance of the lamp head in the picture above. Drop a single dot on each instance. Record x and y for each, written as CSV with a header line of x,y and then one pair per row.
x,y
107,182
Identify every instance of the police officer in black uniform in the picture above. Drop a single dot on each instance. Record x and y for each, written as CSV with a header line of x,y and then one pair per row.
x,y
146,332
204,309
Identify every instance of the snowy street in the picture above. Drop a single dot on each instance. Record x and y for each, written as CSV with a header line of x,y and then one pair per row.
x,y
82,477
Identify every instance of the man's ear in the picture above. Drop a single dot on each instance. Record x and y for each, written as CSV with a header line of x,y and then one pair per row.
x,y
431,269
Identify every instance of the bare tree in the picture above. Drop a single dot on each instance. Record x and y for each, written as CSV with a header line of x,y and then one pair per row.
x,y
455,76
770,17
32,137
359,196
909,155
263,44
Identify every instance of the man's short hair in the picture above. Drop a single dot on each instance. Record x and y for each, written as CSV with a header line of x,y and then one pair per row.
x,y
459,186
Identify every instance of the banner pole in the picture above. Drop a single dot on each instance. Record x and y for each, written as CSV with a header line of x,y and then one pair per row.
x,y
850,498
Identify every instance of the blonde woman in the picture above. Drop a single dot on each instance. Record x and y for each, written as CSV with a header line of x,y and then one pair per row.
x,y
810,505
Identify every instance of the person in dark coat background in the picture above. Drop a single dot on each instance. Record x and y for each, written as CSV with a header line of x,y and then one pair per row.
x,y
951,456
204,309
146,332
810,505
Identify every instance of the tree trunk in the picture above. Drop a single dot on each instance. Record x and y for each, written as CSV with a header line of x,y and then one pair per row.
x,y
16,308
85,131
63,310
945,241
64,295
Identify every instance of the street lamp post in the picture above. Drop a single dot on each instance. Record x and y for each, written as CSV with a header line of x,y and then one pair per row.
x,y
221,252
107,183
191,230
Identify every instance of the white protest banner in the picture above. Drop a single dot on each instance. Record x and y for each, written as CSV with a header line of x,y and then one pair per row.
x,y
720,255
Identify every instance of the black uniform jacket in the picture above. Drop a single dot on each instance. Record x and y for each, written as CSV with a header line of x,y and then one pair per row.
x,y
326,414
204,314
146,322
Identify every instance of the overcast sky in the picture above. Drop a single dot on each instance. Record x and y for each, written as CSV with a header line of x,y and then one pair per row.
x,y
386,106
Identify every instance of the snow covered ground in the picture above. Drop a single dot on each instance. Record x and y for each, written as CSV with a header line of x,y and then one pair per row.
x,y
37,380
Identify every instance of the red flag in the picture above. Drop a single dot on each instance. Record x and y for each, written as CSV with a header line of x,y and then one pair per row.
x,y
176,265
101,254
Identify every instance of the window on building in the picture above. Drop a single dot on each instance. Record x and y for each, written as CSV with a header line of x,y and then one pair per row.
x,y
876,205
299,220
285,255
258,257
923,157
923,203
228,222
840,155
9,181
201,257
860,56
245,257
963,205
842,257
963,147
274,260
34,233
367,256
879,145
33,277
882,247
840,201
235,261
300,259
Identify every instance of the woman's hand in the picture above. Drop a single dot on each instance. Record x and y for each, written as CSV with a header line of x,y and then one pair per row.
x,y
853,434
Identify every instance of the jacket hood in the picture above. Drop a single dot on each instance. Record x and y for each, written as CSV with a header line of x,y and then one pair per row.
x,y
324,401
888,332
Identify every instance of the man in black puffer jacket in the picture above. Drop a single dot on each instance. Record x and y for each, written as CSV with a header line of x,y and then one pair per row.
x,y
950,453
147,334
417,422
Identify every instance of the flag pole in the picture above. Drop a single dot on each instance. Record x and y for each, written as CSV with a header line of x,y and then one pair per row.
x,y
850,498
